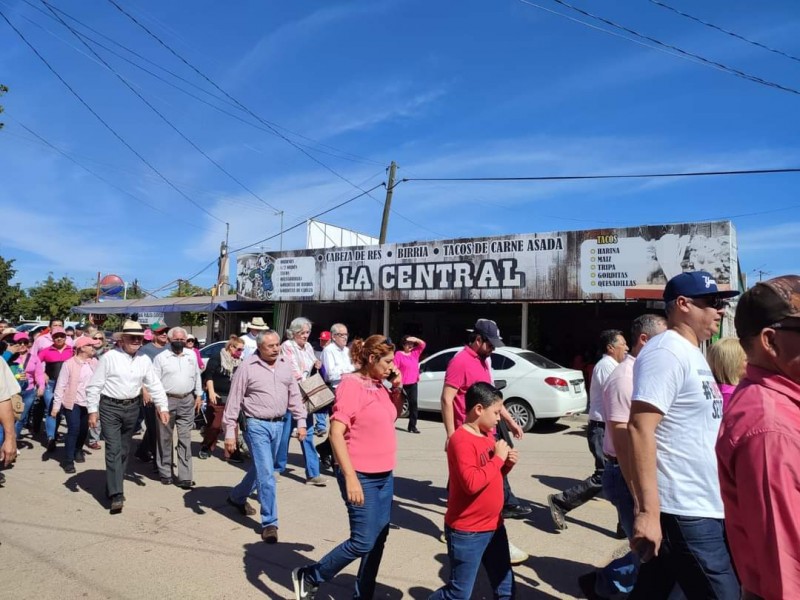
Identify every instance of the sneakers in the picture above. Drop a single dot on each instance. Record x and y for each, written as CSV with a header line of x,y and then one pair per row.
x,y
69,468
318,481
515,511
517,556
270,534
203,454
186,484
80,457
303,588
556,513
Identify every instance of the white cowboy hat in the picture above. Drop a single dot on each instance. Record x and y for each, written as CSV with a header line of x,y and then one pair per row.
x,y
132,328
258,324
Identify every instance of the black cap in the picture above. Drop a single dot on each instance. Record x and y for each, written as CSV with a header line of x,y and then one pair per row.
x,y
489,331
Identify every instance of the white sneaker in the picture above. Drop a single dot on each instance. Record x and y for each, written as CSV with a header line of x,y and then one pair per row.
x,y
517,556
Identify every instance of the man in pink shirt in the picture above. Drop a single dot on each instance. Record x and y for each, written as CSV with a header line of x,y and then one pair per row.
x,y
758,449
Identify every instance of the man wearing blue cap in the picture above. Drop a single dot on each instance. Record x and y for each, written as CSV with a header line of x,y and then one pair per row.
x,y
676,411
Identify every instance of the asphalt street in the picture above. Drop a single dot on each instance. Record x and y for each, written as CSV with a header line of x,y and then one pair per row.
x,y
58,540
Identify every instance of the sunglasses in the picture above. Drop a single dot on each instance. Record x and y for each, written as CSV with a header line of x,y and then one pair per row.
x,y
785,327
99,337
715,302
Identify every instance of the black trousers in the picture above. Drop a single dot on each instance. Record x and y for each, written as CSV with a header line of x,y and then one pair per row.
x,y
413,407
118,424
149,441
590,487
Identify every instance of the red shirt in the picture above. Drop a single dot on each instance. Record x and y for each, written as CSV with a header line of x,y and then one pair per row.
x,y
758,451
365,407
475,493
464,369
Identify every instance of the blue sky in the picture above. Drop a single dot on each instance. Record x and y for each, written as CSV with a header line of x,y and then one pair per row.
x,y
445,89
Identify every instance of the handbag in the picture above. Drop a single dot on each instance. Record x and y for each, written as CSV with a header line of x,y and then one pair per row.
x,y
316,393
17,406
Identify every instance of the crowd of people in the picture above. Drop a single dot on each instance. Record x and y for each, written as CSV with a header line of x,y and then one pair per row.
x,y
695,441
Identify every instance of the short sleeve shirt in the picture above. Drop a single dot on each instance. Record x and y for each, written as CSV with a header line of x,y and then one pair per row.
x,y
672,375
617,394
464,369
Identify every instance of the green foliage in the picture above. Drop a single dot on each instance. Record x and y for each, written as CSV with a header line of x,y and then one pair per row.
x,y
186,289
51,298
10,294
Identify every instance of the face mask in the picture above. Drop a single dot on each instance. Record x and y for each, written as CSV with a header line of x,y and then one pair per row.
x,y
177,346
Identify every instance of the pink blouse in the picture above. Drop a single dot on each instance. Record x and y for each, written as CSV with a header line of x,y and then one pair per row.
x,y
408,364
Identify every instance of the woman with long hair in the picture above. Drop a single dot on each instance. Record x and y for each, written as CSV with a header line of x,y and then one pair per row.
x,y
301,357
365,446
25,367
217,383
70,394
727,361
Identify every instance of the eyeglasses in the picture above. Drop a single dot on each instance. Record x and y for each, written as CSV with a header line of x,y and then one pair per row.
x,y
135,340
99,337
716,302
340,334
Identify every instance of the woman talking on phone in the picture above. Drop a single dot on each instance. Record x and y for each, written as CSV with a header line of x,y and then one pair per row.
x,y
363,440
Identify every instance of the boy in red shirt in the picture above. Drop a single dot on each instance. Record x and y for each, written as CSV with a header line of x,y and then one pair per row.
x,y
473,524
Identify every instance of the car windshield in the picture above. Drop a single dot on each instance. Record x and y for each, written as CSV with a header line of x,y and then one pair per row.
x,y
538,360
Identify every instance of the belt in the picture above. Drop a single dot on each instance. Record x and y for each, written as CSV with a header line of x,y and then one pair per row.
x,y
121,401
178,395
611,459
270,420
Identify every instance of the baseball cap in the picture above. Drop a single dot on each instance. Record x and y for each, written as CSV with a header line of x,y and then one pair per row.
x,y
694,284
768,303
325,336
87,341
156,327
18,337
489,331
57,331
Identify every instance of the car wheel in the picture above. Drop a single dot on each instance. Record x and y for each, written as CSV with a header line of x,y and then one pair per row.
x,y
521,412
404,413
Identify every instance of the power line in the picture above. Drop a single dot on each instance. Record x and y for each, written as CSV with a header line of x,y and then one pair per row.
x,y
104,122
172,126
245,108
616,176
331,150
725,31
671,48
301,223
101,178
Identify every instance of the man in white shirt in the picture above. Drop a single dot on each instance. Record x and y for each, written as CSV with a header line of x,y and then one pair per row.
x,y
179,373
115,391
254,327
676,411
9,386
336,356
614,349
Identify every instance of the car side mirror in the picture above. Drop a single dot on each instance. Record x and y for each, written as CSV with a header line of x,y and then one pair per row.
x,y
500,384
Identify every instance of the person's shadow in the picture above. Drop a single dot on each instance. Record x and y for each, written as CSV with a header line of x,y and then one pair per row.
x,y
92,482
275,563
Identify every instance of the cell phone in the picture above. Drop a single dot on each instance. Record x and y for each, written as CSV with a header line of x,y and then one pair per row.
x,y
393,375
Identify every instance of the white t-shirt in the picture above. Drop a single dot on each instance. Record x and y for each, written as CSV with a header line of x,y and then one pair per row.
x,y
602,370
250,345
672,375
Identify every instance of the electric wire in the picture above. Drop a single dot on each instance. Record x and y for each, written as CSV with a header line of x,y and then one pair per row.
x,y
169,123
105,124
725,31
673,49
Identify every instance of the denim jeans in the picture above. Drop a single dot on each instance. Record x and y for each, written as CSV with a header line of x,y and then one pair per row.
x,y
320,421
466,551
50,423
28,397
694,554
619,576
310,455
77,428
263,438
369,527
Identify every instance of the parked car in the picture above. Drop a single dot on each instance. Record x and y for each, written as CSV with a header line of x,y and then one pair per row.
x,y
535,389
214,349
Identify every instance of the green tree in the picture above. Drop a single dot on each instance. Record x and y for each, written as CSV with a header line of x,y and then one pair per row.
x,y
3,90
52,298
10,294
186,289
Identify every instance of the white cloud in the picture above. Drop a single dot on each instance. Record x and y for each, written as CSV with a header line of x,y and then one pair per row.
x,y
774,237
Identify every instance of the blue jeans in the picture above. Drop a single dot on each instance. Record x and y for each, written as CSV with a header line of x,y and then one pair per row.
x,y
466,551
50,423
694,554
619,576
320,421
369,526
28,397
262,438
77,429
310,455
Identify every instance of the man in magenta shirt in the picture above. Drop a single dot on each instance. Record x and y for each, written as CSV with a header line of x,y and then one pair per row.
x,y
472,365
758,449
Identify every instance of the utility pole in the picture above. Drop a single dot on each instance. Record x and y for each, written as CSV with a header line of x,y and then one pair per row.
x,y
222,273
387,205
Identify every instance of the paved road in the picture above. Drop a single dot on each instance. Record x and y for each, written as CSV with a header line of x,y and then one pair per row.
x,y
59,541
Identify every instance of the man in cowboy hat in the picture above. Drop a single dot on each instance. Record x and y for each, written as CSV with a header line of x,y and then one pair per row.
x,y
115,392
254,327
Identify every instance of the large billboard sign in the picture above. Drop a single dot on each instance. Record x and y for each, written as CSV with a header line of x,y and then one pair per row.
x,y
626,263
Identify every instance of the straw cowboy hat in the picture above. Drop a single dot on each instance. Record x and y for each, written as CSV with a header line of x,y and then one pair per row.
x,y
129,328
258,324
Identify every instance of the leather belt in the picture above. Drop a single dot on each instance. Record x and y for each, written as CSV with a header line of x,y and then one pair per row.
x,y
611,459
121,401
178,395
272,420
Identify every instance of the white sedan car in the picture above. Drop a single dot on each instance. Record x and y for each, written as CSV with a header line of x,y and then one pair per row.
x,y
534,387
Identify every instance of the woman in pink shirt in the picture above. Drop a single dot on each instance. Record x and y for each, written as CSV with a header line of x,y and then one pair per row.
x,y
25,367
407,362
70,394
364,444
52,358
